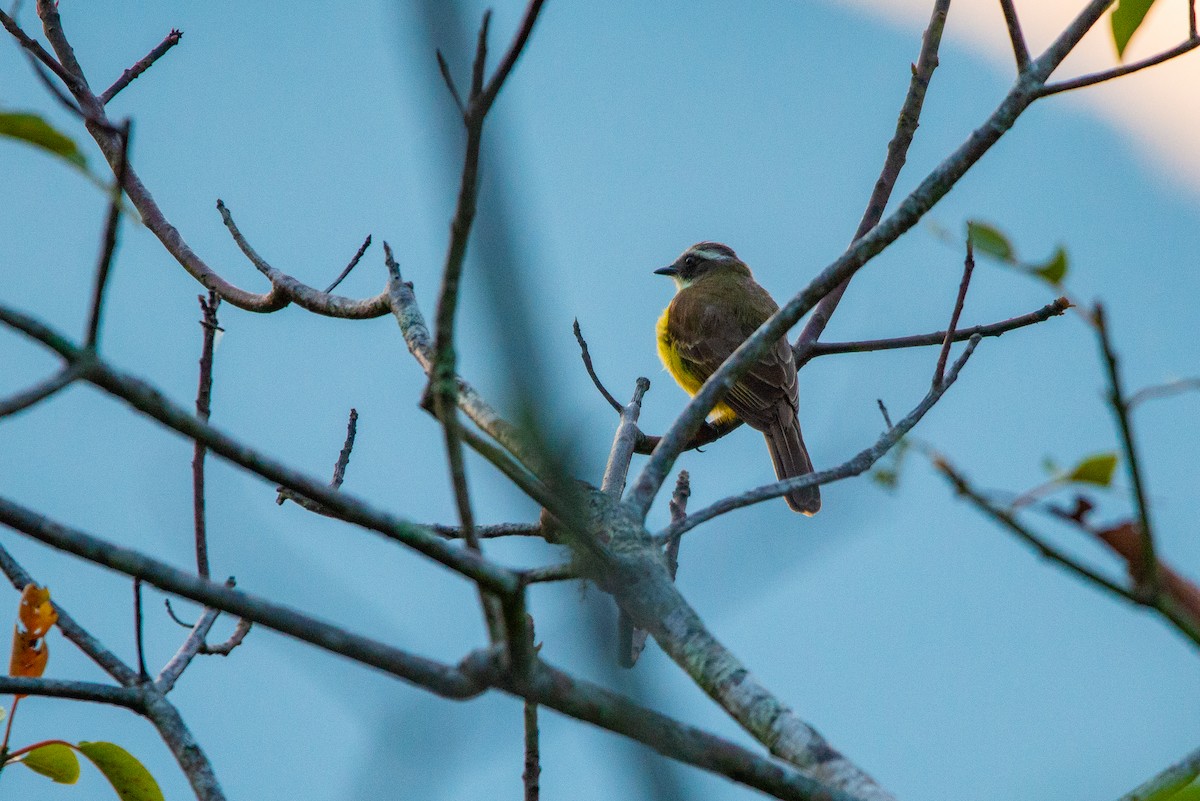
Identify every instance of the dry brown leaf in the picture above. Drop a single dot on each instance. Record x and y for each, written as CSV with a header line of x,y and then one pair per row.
x,y
35,616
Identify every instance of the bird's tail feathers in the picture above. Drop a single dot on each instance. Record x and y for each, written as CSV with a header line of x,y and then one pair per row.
x,y
790,458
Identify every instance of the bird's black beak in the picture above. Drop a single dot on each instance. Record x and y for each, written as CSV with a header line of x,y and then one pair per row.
x,y
670,270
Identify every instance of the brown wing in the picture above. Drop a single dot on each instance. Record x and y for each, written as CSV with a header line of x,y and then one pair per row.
x,y
707,327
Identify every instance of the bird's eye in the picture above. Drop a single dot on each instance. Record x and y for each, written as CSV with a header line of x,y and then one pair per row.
x,y
690,261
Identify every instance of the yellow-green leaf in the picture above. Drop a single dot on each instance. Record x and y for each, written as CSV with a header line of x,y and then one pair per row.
x,y
1127,17
988,239
128,777
1189,793
1097,469
32,129
1054,270
55,761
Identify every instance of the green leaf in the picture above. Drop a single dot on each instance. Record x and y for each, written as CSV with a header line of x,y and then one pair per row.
x,y
1053,271
1189,793
33,130
128,777
55,761
1127,17
888,479
988,239
1097,469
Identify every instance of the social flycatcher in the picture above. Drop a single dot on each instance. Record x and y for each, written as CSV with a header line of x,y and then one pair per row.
x,y
717,306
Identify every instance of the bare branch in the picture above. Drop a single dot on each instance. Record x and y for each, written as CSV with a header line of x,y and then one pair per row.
x,y
1006,519
211,325
591,371
968,268
897,154
295,291
1020,50
860,463
128,697
41,390
619,457
139,630
484,102
1149,582
566,571
432,675
194,644
1192,42
226,648
35,49
533,768
938,337
109,241
449,79
353,263
416,336
152,403
489,532
129,75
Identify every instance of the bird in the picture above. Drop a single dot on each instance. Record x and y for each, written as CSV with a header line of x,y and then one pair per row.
x,y
716,307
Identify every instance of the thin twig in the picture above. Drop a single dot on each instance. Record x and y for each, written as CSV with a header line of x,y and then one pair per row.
x,y
591,370
449,79
192,645
617,467
34,47
1152,393
1054,309
226,648
968,268
533,767
487,532
897,154
339,468
108,242
488,96
1149,579
857,465
1006,519
353,263
339,473
141,66
210,325
1020,50
566,571
1167,607
887,420
43,389
128,697
679,499
1192,42
138,629
174,617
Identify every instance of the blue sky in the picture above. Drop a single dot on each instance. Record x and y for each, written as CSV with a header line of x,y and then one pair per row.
x,y
931,648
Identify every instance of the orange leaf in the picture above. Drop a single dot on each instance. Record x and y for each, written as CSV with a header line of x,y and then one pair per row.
x,y
36,611
35,617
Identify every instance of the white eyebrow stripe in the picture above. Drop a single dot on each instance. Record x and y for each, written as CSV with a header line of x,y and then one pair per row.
x,y
713,255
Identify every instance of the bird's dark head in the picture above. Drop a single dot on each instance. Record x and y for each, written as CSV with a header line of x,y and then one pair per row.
x,y
703,259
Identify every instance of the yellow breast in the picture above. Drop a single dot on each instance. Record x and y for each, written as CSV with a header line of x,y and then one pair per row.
x,y
679,370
